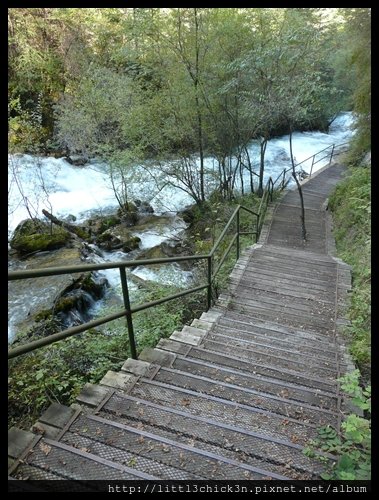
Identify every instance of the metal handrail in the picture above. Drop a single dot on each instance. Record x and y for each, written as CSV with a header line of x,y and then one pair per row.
x,y
333,146
121,265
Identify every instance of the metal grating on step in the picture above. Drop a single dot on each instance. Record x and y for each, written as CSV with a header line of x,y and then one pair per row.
x,y
240,320
256,348
275,406
259,421
48,459
165,453
283,375
259,384
97,443
251,338
279,457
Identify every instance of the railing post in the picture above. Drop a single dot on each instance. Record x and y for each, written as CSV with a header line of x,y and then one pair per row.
x,y
313,160
284,178
257,229
331,155
209,294
238,234
129,321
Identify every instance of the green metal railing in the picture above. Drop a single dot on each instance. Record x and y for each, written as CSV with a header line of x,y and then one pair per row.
x,y
333,149
128,311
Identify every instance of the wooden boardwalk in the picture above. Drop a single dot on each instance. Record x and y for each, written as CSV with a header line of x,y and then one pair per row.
x,y
234,396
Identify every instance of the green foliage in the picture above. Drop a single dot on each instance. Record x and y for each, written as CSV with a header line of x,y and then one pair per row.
x,y
130,85
359,397
59,371
351,206
352,447
359,28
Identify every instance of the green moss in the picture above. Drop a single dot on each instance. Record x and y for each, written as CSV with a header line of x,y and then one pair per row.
x,y
104,237
108,222
43,315
91,286
40,242
82,233
64,304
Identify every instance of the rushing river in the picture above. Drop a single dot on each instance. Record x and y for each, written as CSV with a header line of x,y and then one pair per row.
x,y
80,192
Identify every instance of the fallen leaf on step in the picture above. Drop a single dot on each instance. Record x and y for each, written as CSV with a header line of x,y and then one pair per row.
x,y
45,448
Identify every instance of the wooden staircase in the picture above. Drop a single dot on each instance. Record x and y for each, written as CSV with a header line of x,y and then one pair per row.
x,y
236,395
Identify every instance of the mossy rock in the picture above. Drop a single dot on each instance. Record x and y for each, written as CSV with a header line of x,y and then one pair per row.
x,y
28,227
98,225
40,242
65,304
108,222
95,288
43,315
152,253
33,235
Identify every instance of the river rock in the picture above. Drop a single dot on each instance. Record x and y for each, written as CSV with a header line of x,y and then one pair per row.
x,y
188,214
77,160
33,235
97,225
128,214
144,207
36,304
118,237
25,303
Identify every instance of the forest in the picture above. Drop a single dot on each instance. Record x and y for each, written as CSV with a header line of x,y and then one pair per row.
x,y
130,85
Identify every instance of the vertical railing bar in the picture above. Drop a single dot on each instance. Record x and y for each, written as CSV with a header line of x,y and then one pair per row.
x,y
209,292
313,160
257,229
129,321
331,155
238,234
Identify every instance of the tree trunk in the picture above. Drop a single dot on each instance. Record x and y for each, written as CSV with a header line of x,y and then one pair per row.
x,y
302,216
72,229
262,167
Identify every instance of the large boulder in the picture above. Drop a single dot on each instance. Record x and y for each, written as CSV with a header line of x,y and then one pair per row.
x,y
33,235
99,224
41,306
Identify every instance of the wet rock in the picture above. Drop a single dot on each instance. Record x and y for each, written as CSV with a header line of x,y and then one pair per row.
x,y
173,248
71,307
29,297
77,160
33,235
128,214
98,225
46,305
144,207
118,237
188,214
131,244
